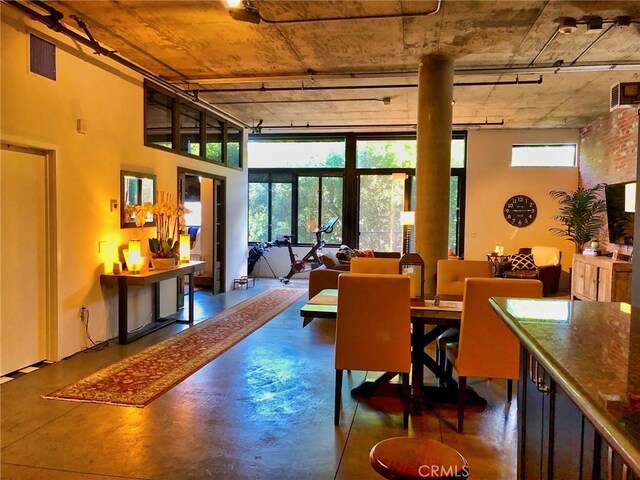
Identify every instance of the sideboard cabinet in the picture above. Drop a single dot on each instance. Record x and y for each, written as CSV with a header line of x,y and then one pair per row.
x,y
600,279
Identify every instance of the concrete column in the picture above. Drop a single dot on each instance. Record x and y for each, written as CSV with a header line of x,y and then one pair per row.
x,y
435,112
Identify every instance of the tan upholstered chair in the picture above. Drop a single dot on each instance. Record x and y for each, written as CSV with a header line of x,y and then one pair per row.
x,y
487,347
373,329
452,274
375,265
450,286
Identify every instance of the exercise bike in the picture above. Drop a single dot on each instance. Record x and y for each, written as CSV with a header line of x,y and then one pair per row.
x,y
311,259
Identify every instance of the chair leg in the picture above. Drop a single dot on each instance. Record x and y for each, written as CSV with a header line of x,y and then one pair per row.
x,y
509,390
449,372
462,397
441,359
338,398
406,400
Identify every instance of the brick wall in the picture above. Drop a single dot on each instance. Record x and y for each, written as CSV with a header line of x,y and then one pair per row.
x,y
609,148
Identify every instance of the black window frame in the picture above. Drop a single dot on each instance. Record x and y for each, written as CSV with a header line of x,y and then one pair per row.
x,y
177,102
351,176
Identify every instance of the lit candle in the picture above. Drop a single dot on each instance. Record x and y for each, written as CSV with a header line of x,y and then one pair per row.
x,y
499,250
185,248
135,259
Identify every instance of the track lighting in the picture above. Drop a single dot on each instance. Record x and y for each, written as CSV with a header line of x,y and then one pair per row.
x,y
568,26
244,12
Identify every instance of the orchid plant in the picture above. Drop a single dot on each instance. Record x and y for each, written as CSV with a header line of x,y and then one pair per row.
x,y
169,219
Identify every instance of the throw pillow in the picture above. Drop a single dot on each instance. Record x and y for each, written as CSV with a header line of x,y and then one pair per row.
x,y
522,261
364,253
330,260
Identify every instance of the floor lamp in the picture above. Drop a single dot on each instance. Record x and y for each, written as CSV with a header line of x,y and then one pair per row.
x,y
407,219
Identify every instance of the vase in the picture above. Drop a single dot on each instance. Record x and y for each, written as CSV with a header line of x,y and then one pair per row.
x,y
163,263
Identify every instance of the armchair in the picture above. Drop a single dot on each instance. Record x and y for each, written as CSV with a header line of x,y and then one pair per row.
x,y
546,267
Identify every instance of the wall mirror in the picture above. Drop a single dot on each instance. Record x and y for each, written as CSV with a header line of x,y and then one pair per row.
x,y
135,189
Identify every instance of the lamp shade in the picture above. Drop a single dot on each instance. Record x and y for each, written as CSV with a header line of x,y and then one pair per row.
x,y
135,258
185,248
408,218
630,197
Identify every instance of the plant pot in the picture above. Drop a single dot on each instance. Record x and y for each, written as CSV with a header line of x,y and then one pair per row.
x,y
163,263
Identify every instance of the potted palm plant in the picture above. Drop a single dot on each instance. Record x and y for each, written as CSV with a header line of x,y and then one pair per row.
x,y
581,213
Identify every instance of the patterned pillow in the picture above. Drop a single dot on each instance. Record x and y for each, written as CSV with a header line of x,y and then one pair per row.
x,y
364,253
522,261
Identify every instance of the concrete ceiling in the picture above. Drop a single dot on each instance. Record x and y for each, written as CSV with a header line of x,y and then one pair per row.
x,y
197,45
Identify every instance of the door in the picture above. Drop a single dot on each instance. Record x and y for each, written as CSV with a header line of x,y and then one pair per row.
x,y
204,196
23,246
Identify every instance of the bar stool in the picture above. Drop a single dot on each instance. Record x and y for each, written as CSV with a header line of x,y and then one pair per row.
x,y
403,458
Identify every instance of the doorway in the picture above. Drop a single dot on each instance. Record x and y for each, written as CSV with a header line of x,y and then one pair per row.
x,y
27,242
204,194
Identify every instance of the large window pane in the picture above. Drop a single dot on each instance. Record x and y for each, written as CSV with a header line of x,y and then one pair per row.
x,y
234,140
543,155
189,130
332,207
458,152
386,154
258,212
296,154
281,196
158,117
308,208
453,214
214,138
381,201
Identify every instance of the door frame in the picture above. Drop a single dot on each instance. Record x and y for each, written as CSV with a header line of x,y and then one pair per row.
x,y
223,180
51,244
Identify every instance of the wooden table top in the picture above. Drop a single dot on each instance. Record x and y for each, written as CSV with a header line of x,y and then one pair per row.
x,y
151,276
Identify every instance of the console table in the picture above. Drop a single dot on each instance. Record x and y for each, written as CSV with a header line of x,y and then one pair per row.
x,y
151,278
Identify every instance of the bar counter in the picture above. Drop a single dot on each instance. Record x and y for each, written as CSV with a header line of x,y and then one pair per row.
x,y
591,351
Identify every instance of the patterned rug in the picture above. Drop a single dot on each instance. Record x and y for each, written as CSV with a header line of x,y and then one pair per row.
x,y
139,379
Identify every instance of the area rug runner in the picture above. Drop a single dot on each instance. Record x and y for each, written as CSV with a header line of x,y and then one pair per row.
x,y
139,379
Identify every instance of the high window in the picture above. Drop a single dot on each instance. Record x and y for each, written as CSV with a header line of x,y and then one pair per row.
x,y
297,183
544,155
174,123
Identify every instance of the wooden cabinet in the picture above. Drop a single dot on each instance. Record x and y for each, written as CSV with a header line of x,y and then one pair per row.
x,y
600,279
555,439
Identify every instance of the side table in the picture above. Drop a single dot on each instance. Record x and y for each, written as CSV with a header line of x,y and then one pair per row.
x,y
498,263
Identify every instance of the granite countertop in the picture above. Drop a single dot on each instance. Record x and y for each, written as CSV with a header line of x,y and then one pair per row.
x,y
592,351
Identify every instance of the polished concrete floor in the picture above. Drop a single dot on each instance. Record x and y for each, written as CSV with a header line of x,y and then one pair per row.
x,y
262,410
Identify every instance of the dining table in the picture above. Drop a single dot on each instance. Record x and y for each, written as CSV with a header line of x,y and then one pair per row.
x,y
440,315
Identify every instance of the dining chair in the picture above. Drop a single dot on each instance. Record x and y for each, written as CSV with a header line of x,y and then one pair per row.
x,y
375,265
373,329
487,348
450,278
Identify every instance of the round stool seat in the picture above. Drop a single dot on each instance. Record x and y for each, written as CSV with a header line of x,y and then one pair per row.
x,y
402,458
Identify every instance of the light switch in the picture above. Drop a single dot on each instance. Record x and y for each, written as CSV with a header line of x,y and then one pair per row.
x,y
102,246
113,205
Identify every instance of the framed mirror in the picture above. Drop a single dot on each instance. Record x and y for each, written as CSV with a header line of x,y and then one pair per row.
x,y
135,189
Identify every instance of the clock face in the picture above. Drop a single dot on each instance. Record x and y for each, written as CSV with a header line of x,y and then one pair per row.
x,y
520,211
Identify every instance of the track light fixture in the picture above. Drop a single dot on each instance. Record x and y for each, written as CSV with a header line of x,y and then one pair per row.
x,y
567,26
244,12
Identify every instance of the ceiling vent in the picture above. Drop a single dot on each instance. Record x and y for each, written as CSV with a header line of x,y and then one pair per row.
x,y
625,95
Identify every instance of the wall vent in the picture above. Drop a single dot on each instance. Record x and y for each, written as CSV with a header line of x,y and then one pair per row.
x,y
624,95
42,57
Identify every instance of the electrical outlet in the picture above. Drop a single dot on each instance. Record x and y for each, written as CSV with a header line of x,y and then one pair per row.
x,y
81,314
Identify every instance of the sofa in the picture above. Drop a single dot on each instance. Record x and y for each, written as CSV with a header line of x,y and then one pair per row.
x,y
541,263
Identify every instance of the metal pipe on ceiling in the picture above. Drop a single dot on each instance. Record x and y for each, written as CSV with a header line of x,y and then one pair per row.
x,y
366,17
52,21
358,126
303,87
385,100
461,72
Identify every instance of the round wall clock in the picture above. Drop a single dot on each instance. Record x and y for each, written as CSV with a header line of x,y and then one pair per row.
x,y
520,211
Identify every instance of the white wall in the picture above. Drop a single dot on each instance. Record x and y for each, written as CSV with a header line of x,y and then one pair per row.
x,y
491,181
42,113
